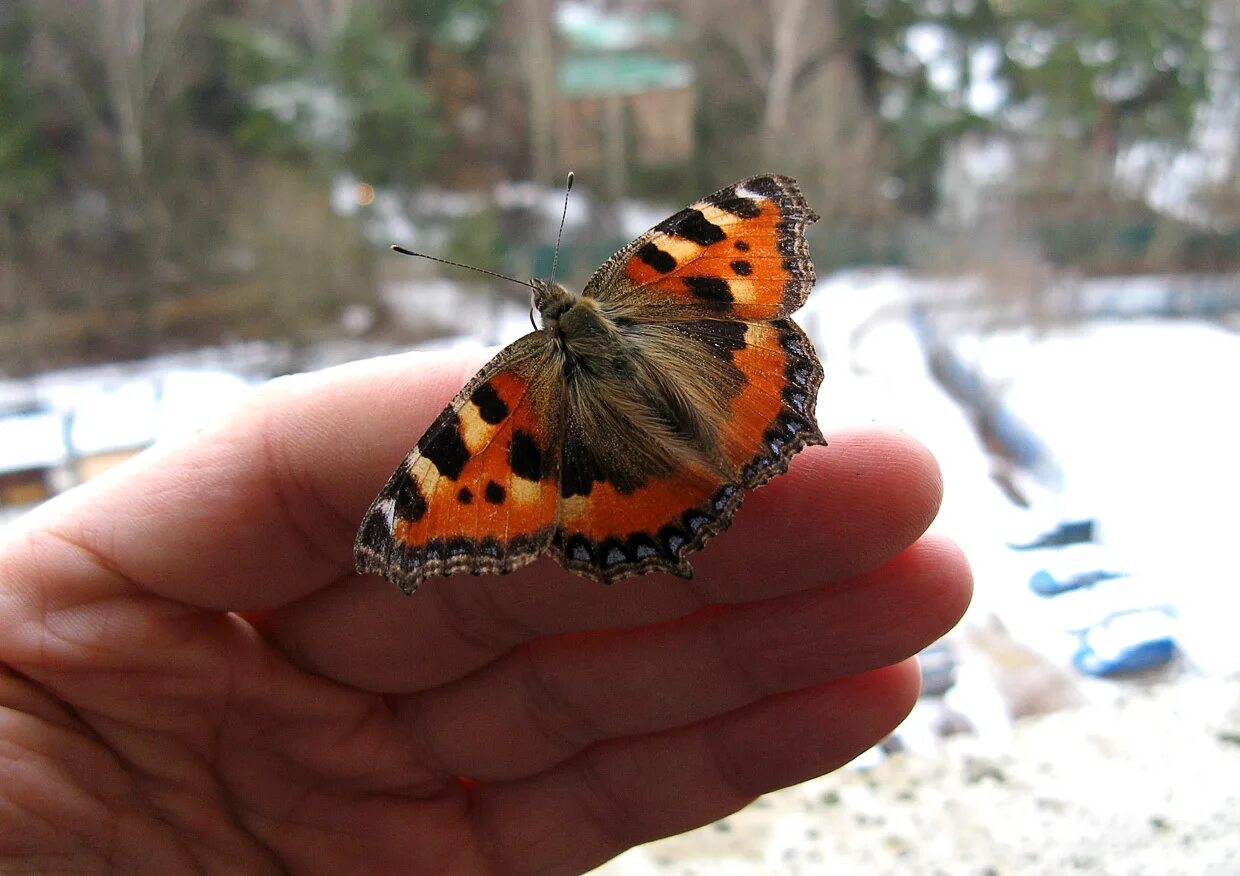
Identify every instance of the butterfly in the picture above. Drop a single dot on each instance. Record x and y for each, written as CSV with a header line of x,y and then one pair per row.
x,y
623,434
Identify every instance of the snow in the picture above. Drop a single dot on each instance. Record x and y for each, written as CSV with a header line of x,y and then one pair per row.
x,y
32,441
140,411
119,418
1140,427
1147,785
876,375
1141,417
122,406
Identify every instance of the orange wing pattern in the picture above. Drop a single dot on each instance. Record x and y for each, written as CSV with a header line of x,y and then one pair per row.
x,y
774,415
608,533
478,492
739,253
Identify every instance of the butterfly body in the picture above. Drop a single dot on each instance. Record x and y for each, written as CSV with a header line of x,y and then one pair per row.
x,y
621,435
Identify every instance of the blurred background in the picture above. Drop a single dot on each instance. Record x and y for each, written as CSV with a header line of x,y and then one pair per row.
x,y
1029,258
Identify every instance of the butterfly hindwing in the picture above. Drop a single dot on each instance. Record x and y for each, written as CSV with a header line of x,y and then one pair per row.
x,y
611,534
753,388
739,253
773,416
478,492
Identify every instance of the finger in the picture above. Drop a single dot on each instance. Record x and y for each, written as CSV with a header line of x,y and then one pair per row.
x,y
841,510
262,507
623,793
541,704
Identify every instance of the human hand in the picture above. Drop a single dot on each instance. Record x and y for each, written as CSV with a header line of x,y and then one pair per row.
x,y
195,681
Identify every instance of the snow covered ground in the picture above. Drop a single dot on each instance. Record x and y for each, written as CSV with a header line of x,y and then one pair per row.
x,y
1141,423
1147,786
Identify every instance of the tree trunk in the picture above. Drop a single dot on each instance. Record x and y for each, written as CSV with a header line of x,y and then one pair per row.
x,y
540,75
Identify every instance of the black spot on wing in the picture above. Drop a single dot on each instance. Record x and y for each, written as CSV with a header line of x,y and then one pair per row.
x,y
611,553
443,446
791,339
640,545
711,290
745,208
693,226
661,261
490,406
525,456
795,399
494,493
741,245
766,186
457,546
578,548
742,268
465,496
408,501
376,534
672,539
578,470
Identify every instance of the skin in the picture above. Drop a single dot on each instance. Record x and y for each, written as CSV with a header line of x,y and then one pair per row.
x,y
195,681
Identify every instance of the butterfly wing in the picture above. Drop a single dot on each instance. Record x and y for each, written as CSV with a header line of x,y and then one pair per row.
x,y
738,254
650,472
478,492
723,389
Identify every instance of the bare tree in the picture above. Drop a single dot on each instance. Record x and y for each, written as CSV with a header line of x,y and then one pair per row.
x,y
118,70
134,41
539,56
1219,118
781,44
838,146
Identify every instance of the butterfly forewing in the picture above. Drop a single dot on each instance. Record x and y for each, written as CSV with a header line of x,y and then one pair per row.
x,y
739,253
478,492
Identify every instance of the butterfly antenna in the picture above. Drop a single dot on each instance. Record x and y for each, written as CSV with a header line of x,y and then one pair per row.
x,y
555,260
422,255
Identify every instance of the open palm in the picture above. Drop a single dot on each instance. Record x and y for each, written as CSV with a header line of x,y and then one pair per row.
x,y
195,681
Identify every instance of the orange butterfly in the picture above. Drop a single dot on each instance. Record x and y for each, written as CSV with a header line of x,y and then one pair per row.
x,y
622,435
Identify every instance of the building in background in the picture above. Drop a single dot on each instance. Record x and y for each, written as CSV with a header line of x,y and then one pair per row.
x,y
624,92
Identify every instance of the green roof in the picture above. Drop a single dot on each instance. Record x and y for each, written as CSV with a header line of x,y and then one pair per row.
x,y
622,73
595,30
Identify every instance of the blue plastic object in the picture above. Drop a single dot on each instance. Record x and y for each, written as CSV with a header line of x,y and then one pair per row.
x,y
1126,643
1065,533
1043,583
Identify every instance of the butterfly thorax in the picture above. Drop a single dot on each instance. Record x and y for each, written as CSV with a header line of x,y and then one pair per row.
x,y
577,325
